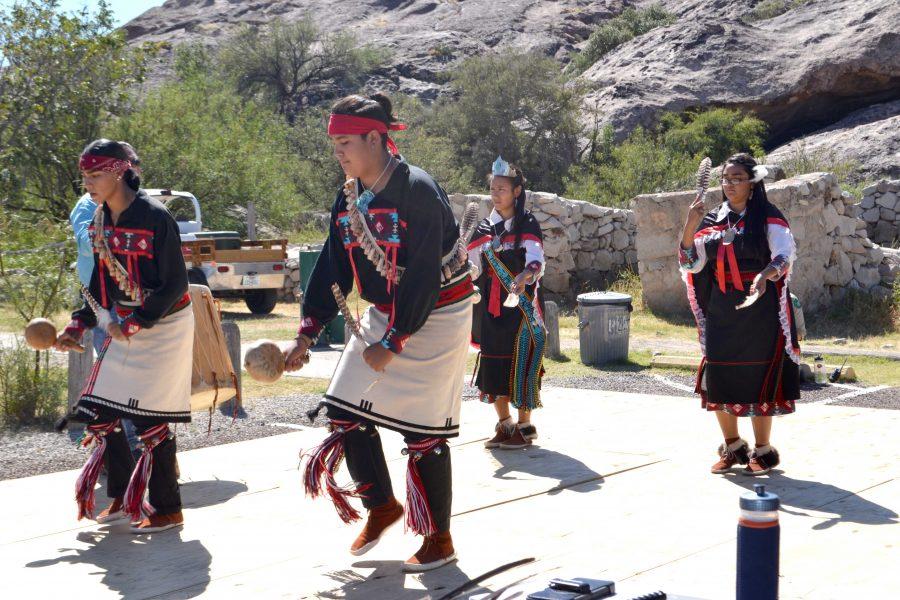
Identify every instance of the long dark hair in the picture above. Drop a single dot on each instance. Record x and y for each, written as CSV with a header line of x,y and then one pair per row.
x,y
518,180
120,151
757,204
375,106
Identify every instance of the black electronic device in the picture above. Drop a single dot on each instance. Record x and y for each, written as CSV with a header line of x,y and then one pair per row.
x,y
577,588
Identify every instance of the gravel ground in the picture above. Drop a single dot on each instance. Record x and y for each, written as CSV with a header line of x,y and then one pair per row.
x,y
646,384
30,452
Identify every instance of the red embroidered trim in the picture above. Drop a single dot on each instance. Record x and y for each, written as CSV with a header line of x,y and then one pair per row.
x,y
311,327
478,242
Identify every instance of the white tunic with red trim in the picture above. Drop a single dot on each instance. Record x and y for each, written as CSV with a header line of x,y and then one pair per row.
x,y
148,376
751,356
424,319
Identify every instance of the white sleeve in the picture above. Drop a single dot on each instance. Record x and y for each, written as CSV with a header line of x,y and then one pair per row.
x,y
693,264
475,261
781,242
534,252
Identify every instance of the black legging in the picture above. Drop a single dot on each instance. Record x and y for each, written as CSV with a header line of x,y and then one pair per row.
x,y
165,495
367,465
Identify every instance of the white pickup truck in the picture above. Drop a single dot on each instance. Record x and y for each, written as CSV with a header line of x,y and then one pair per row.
x,y
229,266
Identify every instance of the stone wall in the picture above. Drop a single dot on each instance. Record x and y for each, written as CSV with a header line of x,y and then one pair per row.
x,y
833,248
880,208
585,244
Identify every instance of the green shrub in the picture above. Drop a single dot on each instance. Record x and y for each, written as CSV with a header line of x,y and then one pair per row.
x,y
200,136
431,150
639,165
768,9
664,158
35,254
716,133
618,30
31,391
515,104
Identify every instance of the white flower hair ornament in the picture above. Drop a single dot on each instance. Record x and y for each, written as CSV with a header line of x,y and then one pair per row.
x,y
759,173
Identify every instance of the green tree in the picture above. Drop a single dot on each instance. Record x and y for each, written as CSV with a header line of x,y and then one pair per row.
x,y
294,64
431,149
35,281
198,135
716,133
61,75
516,104
664,158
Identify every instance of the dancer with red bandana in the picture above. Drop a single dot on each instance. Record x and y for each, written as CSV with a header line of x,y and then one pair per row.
x,y
143,371
736,261
394,236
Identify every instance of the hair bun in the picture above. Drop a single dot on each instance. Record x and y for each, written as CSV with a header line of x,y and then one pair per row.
x,y
386,105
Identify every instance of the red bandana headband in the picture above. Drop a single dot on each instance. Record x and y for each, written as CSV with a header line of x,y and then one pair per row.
x,y
353,125
108,164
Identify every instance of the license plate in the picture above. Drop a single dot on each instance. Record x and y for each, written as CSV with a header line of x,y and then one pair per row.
x,y
250,281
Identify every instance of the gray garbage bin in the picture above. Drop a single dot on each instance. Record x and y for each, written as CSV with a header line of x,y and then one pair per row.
x,y
604,323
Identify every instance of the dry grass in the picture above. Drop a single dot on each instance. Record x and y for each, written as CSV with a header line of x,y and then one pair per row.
x,y
286,386
11,321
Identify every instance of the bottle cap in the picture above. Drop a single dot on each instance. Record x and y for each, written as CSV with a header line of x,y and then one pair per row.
x,y
759,500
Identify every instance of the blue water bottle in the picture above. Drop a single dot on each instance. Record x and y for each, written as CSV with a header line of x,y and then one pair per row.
x,y
757,545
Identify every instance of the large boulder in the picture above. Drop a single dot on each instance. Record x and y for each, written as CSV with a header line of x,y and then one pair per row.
x,y
800,71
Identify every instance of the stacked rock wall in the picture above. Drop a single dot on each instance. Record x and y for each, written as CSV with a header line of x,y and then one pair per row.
x,y
587,245
880,209
584,243
833,247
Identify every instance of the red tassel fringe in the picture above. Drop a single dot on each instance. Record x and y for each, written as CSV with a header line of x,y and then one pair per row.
x,y
90,473
418,512
322,463
137,485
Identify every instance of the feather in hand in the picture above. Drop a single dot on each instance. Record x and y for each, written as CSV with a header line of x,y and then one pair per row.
x,y
703,173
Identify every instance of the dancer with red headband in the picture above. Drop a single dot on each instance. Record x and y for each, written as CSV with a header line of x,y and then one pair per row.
x,y
394,236
736,261
143,371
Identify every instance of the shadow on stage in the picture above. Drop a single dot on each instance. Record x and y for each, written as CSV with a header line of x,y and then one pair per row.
x,y
140,566
800,495
389,581
542,462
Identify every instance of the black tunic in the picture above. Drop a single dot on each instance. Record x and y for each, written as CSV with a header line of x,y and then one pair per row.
x,y
145,240
747,368
411,214
496,335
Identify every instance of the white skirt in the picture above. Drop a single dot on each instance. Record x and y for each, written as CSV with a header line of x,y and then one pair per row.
x,y
420,391
147,377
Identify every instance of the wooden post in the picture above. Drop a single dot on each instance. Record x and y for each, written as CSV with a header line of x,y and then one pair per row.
x,y
80,365
233,342
551,321
251,221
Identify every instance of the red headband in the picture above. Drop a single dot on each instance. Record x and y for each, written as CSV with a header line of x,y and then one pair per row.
x,y
92,162
353,125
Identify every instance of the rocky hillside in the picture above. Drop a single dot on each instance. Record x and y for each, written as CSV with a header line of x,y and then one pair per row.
x,y
816,67
425,37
